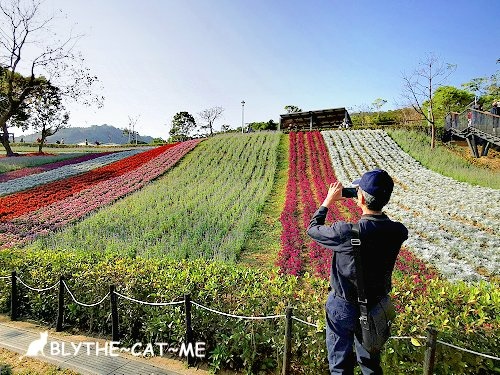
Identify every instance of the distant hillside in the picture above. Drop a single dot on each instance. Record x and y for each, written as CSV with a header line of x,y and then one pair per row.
x,y
100,133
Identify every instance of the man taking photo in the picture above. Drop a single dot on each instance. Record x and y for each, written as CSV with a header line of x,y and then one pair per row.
x,y
381,240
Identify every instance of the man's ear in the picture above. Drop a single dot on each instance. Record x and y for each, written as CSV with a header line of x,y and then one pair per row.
x,y
361,198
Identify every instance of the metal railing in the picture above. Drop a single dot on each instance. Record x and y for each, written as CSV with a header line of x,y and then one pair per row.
x,y
472,118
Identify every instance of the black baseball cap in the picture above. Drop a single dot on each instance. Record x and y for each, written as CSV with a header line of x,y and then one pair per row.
x,y
377,183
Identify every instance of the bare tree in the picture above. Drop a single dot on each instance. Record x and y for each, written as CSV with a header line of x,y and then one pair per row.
x,y
420,86
209,116
132,122
30,57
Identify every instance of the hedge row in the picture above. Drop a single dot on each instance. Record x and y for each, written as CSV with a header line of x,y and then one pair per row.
x,y
465,315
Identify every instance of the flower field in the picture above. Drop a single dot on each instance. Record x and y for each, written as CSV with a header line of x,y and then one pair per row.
x,y
102,219
309,174
453,225
28,214
65,171
202,208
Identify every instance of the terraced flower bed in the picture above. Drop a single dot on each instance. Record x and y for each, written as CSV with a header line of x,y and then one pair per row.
x,y
47,208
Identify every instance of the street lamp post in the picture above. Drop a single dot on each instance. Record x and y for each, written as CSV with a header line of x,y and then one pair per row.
x,y
242,115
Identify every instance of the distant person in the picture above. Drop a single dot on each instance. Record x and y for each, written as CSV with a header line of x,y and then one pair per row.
x,y
476,116
86,142
494,110
62,141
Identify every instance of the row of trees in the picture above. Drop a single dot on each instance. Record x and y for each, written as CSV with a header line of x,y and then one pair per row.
x,y
38,72
427,98
184,124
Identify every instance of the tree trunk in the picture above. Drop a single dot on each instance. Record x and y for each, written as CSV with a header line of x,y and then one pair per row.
x,y
5,140
6,145
433,137
3,126
430,115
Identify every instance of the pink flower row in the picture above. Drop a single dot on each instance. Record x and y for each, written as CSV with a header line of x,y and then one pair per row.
x,y
27,227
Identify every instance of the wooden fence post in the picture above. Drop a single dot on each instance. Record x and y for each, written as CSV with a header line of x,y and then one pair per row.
x,y
13,296
430,352
60,305
115,335
189,329
288,342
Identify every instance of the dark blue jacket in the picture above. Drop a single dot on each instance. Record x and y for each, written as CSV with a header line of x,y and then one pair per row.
x,y
381,240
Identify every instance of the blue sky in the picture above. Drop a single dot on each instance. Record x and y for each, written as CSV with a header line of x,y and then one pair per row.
x,y
155,58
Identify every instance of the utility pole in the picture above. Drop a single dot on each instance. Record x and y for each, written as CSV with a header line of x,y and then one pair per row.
x,y
242,116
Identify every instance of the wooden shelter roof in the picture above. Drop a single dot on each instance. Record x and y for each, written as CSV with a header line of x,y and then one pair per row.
x,y
323,118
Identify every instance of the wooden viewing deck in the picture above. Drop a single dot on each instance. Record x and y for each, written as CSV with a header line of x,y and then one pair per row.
x,y
476,127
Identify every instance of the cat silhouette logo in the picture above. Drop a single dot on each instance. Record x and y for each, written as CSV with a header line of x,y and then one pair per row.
x,y
36,346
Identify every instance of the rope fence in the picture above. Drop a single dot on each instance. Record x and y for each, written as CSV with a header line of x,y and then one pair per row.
x,y
237,316
113,294
36,289
149,303
81,303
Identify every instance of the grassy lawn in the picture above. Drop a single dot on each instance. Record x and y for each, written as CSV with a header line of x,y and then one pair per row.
x,y
263,244
443,160
10,363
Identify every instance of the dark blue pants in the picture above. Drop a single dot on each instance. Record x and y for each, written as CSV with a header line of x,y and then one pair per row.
x,y
342,327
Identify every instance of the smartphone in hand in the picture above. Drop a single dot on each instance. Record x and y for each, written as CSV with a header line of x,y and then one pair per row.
x,y
350,192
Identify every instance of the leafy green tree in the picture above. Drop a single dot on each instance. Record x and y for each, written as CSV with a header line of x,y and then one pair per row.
x,y
183,124
292,109
225,128
47,113
269,125
158,141
378,104
449,99
486,88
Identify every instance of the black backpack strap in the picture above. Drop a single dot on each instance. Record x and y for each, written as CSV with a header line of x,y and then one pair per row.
x,y
363,302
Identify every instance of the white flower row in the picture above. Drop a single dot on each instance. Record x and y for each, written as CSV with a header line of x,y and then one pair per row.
x,y
28,182
453,225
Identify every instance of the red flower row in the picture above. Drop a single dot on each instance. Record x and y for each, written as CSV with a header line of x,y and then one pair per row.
x,y
62,212
17,204
310,173
292,243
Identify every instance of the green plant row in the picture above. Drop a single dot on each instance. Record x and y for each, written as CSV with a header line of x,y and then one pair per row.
x,y
441,160
203,208
465,315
